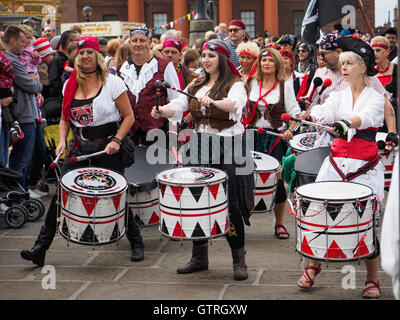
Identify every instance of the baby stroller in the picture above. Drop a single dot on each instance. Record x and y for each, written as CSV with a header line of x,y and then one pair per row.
x,y
21,207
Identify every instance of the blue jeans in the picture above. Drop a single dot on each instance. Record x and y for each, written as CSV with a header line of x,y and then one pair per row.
x,y
4,144
22,151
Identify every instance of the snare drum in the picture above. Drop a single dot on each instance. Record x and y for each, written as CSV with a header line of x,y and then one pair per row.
x,y
266,170
143,190
92,206
387,159
193,203
335,220
303,142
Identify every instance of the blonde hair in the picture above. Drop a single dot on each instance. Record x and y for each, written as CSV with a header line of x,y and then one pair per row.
x,y
123,53
381,40
250,47
26,28
101,70
354,57
112,47
280,70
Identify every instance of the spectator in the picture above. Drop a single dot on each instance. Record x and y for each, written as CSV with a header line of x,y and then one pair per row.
x,y
222,30
236,36
111,49
103,45
26,110
123,53
49,32
46,52
391,35
191,59
56,67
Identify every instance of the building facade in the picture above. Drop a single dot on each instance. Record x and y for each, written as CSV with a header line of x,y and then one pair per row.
x,y
275,16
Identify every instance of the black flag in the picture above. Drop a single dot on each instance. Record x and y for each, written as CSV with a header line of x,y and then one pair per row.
x,y
318,13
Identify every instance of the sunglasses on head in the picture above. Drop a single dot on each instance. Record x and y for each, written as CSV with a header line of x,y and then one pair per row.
x,y
81,43
234,30
266,54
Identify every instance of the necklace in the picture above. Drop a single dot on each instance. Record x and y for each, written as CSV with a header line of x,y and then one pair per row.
x,y
90,72
382,71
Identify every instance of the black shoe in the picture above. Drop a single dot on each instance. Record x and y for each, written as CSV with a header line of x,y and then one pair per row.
x,y
36,255
137,254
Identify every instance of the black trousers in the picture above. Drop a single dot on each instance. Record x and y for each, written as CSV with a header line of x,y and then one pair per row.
x,y
112,162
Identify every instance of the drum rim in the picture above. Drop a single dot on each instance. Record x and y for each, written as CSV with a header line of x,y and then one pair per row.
x,y
338,200
96,195
191,184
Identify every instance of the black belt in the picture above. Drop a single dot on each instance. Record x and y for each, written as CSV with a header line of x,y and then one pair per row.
x,y
367,135
98,132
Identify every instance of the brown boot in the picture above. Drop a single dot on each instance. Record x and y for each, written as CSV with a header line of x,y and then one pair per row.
x,y
239,264
198,262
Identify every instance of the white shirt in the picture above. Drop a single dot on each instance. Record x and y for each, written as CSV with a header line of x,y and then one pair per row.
x,y
237,93
291,105
103,109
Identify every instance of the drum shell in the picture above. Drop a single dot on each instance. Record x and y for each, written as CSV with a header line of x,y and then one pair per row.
x,y
344,234
92,219
265,182
387,159
193,211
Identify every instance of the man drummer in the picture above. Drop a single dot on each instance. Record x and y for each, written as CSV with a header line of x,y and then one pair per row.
x,y
140,72
329,50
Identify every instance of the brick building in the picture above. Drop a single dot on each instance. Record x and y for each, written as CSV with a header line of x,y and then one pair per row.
x,y
276,16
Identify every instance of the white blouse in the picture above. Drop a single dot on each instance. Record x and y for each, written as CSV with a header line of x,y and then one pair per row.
x,y
291,105
237,93
369,107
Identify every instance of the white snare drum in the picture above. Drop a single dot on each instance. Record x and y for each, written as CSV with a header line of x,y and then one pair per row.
x,y
143,189
387,158
193,203
266,170
335,220
93,206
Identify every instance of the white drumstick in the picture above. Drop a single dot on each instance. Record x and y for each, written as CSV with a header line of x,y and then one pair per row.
x,y
86,156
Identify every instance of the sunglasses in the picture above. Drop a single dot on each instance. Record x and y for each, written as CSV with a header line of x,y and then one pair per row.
x,y
234,30
81,43
266,54
302,50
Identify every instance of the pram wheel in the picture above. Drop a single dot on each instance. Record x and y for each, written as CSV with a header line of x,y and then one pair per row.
x,y
35,209
16,216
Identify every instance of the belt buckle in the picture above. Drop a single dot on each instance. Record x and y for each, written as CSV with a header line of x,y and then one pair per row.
x,y
80,133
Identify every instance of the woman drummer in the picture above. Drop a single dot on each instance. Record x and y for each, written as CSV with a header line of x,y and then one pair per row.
x,y
93,104
222,88
247,53
356,113
271,95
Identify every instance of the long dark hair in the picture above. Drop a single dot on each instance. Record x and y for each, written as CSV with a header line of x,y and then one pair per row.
x,y
221,87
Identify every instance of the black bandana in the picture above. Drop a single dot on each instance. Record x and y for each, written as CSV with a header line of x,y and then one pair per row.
x,y
330,42
141,30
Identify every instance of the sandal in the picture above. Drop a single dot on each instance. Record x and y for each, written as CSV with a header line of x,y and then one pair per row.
x,y
309,281
280,233
375,285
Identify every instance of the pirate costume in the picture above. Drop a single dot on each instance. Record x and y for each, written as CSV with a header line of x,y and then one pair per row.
x,y
94,121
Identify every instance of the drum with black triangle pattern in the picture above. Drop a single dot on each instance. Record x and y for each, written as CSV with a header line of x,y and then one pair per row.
x,y
193,203
266,169
335,220
93,204
387,158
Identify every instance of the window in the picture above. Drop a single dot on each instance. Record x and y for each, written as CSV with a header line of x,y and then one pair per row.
x,y
297,22
249,20
110,17
160,19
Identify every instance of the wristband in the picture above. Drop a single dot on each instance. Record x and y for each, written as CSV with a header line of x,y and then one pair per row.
x,y
117,140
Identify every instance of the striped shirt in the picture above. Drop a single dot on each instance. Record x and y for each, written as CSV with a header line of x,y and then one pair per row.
x,y
234,57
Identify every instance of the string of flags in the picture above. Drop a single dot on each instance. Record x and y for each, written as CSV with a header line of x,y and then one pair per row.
x,y
171,24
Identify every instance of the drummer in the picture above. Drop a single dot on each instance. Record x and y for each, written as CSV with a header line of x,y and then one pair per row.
x,y
329,50
356,114
93,104
269,88
222,86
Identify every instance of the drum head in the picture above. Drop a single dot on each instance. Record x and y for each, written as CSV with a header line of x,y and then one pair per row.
x,y
334,191
311,161
94,181
304,141
191,176
264,162
143,172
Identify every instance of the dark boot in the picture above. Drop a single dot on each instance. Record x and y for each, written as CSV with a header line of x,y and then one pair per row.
x,y
137,246
38,252
239,264
198,262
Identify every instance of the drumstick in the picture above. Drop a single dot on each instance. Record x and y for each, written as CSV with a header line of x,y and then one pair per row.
x,y
54,164
176,156
86,156
261,130
286,117
158,85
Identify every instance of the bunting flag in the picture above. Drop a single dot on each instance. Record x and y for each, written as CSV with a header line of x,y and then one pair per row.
x,y
171,24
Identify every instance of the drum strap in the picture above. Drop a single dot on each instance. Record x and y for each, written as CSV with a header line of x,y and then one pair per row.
x,y
362,170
